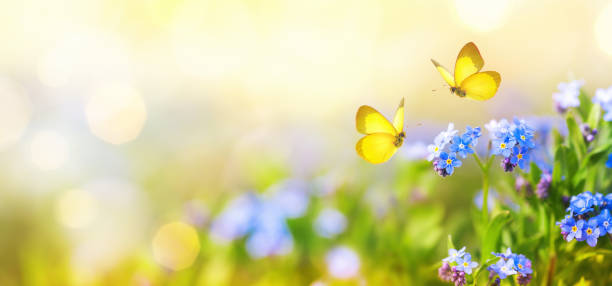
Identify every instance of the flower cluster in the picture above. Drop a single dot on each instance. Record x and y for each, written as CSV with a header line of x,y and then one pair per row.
x,y
568,95
603,97
456,266
513,141
445,162
511,264
262,219
588,218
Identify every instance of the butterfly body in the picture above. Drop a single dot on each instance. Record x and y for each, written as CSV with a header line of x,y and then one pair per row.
x,y
467,80
457,91
382,138
399,139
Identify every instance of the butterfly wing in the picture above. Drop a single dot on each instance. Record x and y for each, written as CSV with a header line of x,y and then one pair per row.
x,y
469,62
398,120
376,148
444,73
369,121
482,85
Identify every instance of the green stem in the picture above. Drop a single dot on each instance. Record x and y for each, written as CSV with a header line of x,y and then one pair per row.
x,y
484,168
552,250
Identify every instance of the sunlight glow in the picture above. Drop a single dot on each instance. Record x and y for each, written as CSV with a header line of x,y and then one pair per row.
x,y
116,113
75,209
482,15
48,150
176,245
14,113
603,29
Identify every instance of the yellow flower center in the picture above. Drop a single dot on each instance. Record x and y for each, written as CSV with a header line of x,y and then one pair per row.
x,y
520,266
520,156
449,161
574,228
436,149
504,269
502,145
589,231
465,264
523,137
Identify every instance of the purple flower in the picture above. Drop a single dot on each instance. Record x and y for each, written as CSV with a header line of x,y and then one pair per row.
x,y
441,171
587,133
458,277
543,185
507,165
523,184
523,279
444,272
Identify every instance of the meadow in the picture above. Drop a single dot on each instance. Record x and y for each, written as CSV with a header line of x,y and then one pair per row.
x,y
186,142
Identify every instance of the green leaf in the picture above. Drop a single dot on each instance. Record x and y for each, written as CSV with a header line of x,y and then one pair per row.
x,y
594,116
534,174
557,139
558,165
493,232
576,141
590,254
593,159
585,105
570,165
484,266
450,244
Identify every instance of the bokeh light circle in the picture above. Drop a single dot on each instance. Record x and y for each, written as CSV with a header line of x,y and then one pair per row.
x,y
603,29
482,15
15,109
48,150
116,113
176,245
75,209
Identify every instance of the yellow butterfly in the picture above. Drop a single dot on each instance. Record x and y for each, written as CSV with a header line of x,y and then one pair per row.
x,y
469,80
382,138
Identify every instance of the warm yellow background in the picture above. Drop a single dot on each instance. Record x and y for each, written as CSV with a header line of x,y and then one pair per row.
x,y
189,98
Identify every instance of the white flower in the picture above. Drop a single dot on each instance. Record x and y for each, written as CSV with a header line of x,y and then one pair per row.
x,y
415,151
568,94
497,127
447,136
329,223
342,262
603,97
435,149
